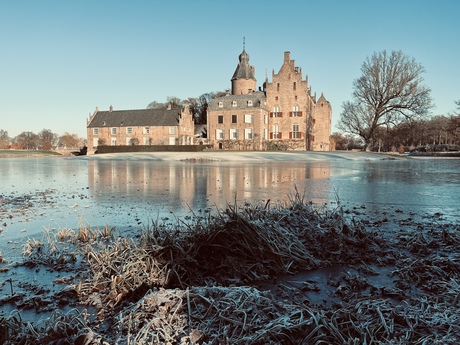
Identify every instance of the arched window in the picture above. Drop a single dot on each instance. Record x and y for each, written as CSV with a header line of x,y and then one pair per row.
x,y
296,111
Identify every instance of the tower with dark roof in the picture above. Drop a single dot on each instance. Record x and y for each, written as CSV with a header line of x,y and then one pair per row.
x,y
243,80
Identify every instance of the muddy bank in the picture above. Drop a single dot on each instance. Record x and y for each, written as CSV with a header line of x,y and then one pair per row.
x,y
246,275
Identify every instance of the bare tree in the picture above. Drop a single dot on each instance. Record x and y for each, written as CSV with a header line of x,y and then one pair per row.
x,y
389,92
48,139
70,141
156,105
27,141
4,139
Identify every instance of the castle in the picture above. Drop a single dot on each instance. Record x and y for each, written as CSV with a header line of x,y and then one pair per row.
x,y
284,115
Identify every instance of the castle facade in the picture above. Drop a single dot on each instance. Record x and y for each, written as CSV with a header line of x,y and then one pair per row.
x,y
283,115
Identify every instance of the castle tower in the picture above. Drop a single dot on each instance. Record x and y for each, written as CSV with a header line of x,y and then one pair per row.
x,y
243,80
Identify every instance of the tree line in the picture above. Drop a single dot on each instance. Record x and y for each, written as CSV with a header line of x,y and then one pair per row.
x,y
44,140
438,130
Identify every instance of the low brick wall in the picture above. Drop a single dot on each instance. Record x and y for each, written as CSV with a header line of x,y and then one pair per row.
x,y
152,148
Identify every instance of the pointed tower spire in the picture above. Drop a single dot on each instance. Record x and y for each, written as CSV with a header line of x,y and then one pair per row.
x,y
243,80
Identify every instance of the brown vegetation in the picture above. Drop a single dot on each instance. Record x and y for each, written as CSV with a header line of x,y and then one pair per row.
x,y
228,279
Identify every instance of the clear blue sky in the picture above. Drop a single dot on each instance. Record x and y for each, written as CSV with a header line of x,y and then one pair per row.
x,y
61,59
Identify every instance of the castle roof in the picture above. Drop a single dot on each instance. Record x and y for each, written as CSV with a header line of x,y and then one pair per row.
x,y
244,70
257,98
136,117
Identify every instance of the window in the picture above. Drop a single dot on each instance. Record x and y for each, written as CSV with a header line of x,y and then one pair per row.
x,y
147,141
95,142
294,86
249,103
146,130
265,119
219,134
113,130
221,104
276,133
233,134
95,131
220,119
172,129
296,111
113,142
128,141
248,134
295,131
129,130
277,86
248,118
234,119
234,104
276,112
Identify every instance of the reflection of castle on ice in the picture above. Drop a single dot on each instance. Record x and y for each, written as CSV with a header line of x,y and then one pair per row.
x,y
179,187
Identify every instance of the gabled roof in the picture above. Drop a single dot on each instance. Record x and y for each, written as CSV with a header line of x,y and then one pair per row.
x,y
136,117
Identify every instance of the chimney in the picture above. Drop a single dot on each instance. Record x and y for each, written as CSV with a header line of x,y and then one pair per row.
x,y
287,56
110,108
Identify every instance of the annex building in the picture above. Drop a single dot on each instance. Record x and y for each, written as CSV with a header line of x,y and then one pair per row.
x,y
169,126
283,115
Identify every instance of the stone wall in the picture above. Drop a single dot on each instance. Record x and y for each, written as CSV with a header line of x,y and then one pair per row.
x,y
152,148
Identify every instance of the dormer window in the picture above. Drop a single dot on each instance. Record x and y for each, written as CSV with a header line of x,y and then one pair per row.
x,y
234,104
221,104
249,103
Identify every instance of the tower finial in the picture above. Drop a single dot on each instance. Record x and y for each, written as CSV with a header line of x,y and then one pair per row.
x,y
244,43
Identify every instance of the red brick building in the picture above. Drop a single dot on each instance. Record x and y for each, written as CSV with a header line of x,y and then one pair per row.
x,y
284,115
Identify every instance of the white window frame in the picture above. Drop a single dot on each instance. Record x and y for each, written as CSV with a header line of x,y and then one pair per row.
x,y
248,118
95,142
248,134
221,104
234,104
96,131
276,131
128,139
113,130
295,131
276,111
233,134
113,142
129,130
172,130
146,130
219,134
296,111
249,103
146,140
